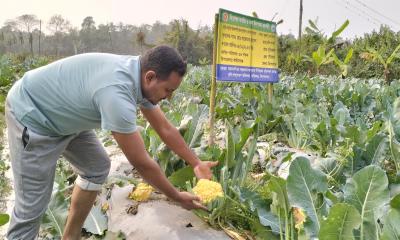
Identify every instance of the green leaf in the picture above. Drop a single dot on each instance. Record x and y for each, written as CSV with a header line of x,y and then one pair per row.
x,y
367,191
313,25
376,149
321,51
328,58
4,218
180,177
395,202
348,56
374,153
280,203
96,221
259,206
340,30
353,132
248,162
345,70
303,185
341,221
246,130
392,121
331,196
56,215
391,226
393,55
236,139
230,146
261,232
341,114
317,58
337,60
266,218
376,56
374,130
195,129
278,186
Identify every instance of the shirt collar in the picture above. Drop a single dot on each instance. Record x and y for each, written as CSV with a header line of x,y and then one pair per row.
x,y
138,83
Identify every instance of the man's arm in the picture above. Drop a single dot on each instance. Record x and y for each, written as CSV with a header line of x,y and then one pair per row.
x,y
173,139
133,147
169,134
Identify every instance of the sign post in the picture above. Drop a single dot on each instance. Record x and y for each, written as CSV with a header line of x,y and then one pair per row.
x,y
213,85
246,51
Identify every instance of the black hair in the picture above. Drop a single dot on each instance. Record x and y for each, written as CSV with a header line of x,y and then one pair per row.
x,y
163,60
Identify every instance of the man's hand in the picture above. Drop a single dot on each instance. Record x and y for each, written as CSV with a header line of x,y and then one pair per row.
x,y
189,201
203,169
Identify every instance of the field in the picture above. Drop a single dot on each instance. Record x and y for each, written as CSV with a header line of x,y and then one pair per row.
x,y
321,160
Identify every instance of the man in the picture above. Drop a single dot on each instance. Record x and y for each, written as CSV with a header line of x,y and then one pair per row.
x,y
53,110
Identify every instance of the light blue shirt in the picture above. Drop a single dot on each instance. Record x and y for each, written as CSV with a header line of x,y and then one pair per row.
x,y
82,92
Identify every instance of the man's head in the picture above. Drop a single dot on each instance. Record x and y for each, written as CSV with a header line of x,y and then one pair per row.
x,y
162,70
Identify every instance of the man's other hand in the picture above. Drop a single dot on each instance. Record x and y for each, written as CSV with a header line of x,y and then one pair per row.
x,y
190,201
203,169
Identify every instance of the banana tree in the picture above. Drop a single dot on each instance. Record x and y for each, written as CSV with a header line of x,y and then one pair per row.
x,y
321,56
376,55
343,65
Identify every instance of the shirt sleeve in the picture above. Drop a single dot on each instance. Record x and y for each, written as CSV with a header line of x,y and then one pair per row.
x,y
117,108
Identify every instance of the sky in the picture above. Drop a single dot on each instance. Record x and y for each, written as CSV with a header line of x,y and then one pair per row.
x,y
364,15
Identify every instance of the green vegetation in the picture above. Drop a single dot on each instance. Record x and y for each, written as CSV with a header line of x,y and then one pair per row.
x,y
338,104
370,56
11,69
320,53
350,127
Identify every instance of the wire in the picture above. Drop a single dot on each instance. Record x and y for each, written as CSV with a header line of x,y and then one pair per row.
x,y
357,13
376,12
360,13
369,16
365,13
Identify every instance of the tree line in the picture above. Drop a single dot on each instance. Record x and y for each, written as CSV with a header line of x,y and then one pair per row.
x,y
27,35
373,55
376,54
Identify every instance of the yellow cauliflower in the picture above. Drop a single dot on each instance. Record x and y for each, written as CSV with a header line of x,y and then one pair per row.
x,y
208,190
299,217
105,207
141,193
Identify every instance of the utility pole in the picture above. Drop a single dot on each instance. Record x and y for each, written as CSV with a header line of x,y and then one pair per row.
x,y
300,22
40,33
109,36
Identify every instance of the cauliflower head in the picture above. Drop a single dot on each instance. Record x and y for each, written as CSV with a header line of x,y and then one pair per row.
x,y
208,190
141,193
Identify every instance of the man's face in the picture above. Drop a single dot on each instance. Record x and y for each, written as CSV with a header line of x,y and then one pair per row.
x,y
156,90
